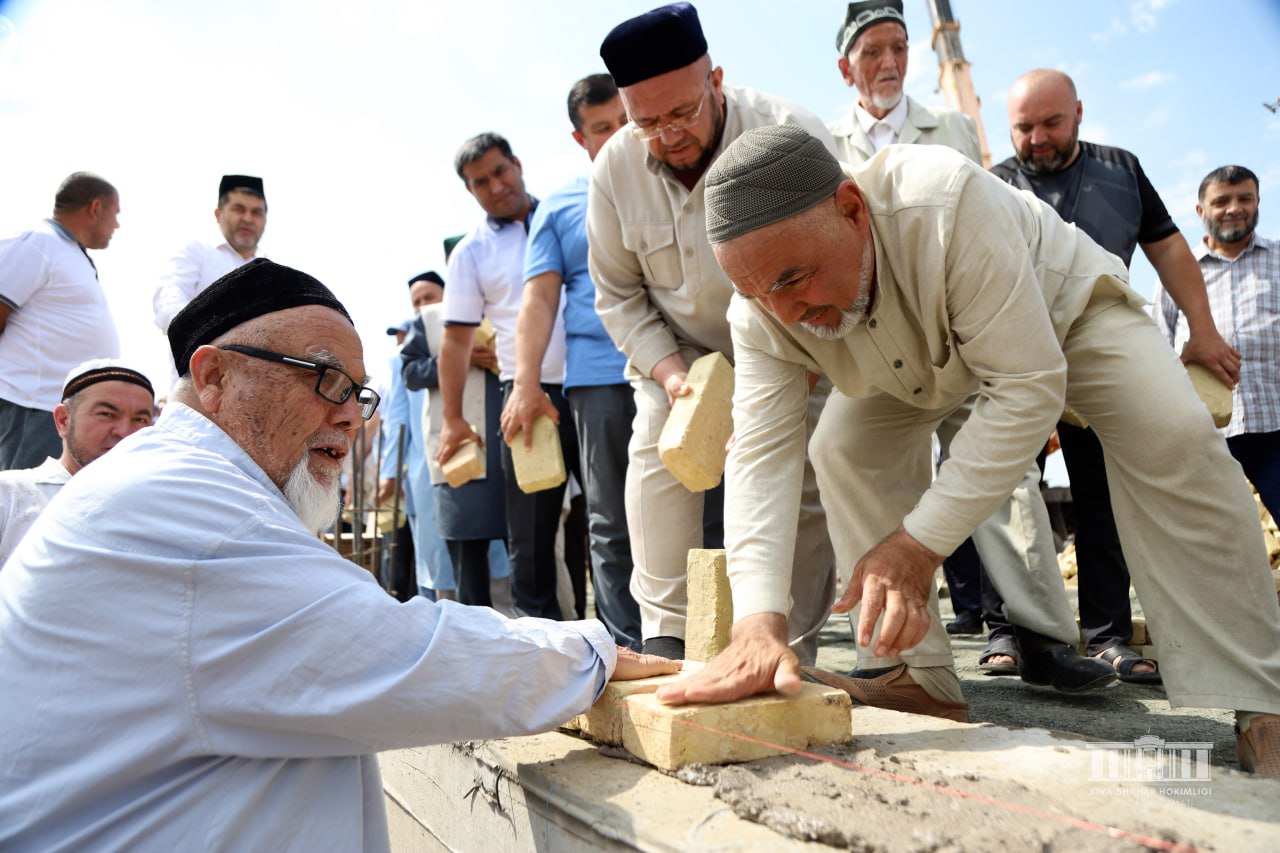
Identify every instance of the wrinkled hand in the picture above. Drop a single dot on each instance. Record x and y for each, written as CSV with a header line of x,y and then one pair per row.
x,y
484,358
896,578
1222,359
454,433
633,665
757,660
523,406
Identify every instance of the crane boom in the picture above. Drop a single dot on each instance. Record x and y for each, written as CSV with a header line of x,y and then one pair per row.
x,y
953,76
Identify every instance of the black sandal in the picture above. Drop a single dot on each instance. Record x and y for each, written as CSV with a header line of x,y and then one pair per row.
x,y
1004,645
1124,659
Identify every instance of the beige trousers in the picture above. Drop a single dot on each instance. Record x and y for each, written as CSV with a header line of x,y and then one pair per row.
x,y
664,520
1180,501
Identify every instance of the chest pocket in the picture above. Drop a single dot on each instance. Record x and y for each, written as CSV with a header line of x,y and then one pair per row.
x,y
656,250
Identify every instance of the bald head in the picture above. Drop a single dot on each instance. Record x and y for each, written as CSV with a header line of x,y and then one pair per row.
x,y
1044,120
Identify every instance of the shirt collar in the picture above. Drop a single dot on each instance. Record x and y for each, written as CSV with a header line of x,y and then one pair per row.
x,y
63,232
52,472
896,120
1201,250
499,224
197,429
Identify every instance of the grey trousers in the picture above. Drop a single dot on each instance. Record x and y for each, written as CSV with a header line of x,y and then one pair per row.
x,y
27,436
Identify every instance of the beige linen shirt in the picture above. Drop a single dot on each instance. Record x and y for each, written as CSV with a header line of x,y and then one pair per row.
x,y
965,267
924,126
658,286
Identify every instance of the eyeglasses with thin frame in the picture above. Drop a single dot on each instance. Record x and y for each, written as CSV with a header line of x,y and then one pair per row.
x,y
681,122
331,383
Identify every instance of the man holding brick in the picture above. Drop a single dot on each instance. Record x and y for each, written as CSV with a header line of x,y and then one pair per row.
x,y
1104,192
662,297
485,276
912,283
1242,275
594,386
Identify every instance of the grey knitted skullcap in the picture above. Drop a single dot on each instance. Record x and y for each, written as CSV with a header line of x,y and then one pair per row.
x,y
768,174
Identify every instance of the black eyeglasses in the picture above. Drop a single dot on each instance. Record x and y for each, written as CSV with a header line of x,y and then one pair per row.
x,y
331,383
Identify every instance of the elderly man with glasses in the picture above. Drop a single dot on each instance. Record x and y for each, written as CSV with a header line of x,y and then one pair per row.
x,y
222,674
663,298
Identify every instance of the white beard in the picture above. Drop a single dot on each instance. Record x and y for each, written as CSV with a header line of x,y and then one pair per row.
x,y
315,503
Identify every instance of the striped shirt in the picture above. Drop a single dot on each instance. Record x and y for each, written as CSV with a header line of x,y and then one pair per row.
x,y
1244,298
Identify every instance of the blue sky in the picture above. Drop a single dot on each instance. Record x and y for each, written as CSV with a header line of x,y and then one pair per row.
x,y
352,112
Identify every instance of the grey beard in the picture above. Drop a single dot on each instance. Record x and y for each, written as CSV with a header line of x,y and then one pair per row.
x,y
853,315
1235,235
316,504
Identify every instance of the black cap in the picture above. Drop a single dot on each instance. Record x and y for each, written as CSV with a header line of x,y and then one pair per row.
x,y
257,288
654,43
863,16
247,183
429,275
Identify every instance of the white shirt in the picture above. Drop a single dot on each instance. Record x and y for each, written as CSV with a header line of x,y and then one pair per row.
x,y
196,266
221,679
60,316
486,277
24,493
883,131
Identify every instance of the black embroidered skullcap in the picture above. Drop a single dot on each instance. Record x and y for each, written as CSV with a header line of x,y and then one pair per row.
x,y
102,370
768,174
654,43
429,275
257,288
241,182
865,15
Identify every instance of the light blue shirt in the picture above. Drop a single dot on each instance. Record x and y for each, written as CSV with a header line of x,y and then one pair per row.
x,y
558,243
221,679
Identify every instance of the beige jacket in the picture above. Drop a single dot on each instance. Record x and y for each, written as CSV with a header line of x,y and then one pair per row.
x,y
977,285
658,286
925,126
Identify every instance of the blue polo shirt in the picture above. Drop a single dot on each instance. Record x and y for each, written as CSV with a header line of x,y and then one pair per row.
x,y
558,243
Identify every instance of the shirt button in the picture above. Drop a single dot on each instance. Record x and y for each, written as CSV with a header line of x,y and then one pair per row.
x,y
917,391
871,324
688,252
897,362
644,247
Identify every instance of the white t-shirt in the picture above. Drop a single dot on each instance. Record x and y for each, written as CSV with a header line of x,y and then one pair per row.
x,y
486,277
196,266
59,315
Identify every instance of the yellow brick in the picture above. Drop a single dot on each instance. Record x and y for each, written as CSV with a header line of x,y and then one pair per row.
x,y
486,335
709,619
466,463
603,721
1216,396
542,466
692,445
670,737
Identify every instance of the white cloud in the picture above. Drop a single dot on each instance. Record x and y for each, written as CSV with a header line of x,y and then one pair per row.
x,y
1147,81
1114,30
